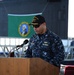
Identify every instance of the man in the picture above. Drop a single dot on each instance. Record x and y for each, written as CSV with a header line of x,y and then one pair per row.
x,y
45,44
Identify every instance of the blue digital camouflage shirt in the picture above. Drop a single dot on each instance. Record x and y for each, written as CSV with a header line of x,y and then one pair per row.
x,y
47,46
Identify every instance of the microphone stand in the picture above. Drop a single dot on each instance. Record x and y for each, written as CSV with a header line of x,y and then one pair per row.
x,y
12,53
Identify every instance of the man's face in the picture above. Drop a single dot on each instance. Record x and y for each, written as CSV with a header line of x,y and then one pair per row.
x,y
40,29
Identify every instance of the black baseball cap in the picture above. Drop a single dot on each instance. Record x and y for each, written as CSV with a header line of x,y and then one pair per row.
x,y
37,21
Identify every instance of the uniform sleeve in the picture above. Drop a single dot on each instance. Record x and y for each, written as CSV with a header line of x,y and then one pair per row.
x,y
58,53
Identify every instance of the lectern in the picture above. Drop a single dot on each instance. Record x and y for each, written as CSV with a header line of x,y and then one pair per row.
x,y
26,66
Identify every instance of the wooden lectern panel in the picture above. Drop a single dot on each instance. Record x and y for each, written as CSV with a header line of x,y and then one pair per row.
x,y
14,66
41,67
26,66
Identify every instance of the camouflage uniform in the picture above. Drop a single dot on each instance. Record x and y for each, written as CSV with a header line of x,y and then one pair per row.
x,y
47,46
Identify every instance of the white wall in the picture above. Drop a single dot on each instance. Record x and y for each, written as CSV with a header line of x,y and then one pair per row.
x,y
71,19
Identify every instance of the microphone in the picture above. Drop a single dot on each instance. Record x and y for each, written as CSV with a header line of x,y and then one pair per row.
x,y
12,53
25,42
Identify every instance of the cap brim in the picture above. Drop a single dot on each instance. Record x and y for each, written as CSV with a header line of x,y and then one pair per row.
x,y
34,24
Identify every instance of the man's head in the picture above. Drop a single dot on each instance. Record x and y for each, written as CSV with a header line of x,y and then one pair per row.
x,y
38,20
39,24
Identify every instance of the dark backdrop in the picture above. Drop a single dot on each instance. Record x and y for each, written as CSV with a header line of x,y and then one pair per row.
x,y
54,11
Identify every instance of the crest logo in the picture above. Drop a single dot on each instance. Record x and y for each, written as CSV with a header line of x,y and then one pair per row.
x,y
24,29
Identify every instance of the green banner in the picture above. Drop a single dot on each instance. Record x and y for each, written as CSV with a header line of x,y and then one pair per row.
x,y
18,25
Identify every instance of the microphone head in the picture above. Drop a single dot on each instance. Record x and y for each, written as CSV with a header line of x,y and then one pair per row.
x,y
25,42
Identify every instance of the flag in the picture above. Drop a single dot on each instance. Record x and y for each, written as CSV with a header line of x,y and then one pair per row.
x,y
18,25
